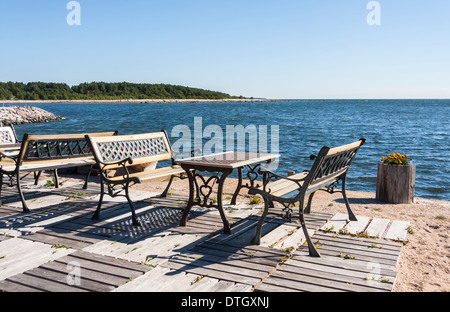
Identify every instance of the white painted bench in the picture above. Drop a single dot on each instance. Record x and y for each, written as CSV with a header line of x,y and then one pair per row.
x,y
123,151
9,144
330,167
48,152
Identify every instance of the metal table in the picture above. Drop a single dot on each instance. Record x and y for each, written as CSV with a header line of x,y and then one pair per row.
x,y
223,165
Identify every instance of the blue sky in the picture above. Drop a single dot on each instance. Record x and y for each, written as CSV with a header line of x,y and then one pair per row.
x,y
273,49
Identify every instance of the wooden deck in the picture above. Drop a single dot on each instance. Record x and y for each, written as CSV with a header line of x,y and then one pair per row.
x,y
58,247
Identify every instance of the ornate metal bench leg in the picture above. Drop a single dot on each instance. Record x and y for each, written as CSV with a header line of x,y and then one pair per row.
x,y
190,203
308,207
36,177
1,185
55,172
312,249
164,194
96,215
85,185
351,215
133,213
257,238
22,198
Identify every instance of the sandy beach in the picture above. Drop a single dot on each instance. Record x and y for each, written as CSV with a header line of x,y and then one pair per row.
x,y
424,264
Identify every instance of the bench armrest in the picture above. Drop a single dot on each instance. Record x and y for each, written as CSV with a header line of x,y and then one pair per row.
x,y
122,162
271,174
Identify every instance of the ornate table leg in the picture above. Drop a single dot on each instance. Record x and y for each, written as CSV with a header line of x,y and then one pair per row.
x,y
252,176
226,225
204,192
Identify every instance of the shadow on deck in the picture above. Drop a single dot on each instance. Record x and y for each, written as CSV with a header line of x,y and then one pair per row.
x,y
58,247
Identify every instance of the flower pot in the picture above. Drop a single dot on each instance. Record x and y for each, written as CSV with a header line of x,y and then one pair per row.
x,y
396,183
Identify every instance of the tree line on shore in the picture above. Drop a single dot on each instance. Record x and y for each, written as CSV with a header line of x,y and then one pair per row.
x,y
103,91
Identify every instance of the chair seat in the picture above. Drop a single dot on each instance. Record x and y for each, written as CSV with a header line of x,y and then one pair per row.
x,y
51,164
151,174
282,187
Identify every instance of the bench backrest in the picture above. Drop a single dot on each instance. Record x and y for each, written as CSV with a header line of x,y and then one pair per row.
x,y
331,164
37,148
142,148
7,136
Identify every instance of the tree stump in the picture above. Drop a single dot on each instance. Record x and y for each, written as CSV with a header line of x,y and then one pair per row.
x,y
396,183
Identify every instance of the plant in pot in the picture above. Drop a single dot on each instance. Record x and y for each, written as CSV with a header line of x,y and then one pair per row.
x,y
396,179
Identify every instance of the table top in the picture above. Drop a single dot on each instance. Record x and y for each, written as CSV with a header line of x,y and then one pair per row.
x,y
227,159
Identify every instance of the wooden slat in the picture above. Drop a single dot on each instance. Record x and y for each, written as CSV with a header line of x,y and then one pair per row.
x,y
43,284
398,230
377,227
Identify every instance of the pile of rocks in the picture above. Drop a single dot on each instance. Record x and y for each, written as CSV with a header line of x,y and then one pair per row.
x,y
25,114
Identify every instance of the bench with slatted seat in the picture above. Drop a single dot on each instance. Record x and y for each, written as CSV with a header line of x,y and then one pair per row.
x,y
9,144
330,166
123,151
38,153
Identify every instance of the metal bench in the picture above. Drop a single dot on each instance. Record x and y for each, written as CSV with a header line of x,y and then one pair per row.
x,y
9,144
38,153
122,151
330,166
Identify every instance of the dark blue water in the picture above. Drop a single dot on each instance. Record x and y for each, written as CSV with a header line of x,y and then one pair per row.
x,y
418,128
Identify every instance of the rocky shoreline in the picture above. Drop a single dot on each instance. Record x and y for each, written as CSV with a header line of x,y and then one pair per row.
x,y
15,115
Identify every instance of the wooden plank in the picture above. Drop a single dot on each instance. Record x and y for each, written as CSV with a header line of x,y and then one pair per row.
x,y
101,277
377,227
228,266
281,280
264,287
307,279
235,262
294,240
101,267
215,271
43,284
337,262
398,230
273,237
56,241
339,279
123,264
21,255
10,286
355,227
384,246
248,255
337,222
64,278
367,275
149,282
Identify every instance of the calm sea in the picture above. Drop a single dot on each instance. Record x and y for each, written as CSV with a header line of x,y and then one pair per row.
x,y
418,128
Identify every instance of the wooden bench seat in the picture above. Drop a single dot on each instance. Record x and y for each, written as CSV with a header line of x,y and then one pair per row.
x,y
330,166
142,176
124,151
38,153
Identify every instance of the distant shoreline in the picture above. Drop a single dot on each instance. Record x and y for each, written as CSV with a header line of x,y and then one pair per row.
x,y
143,101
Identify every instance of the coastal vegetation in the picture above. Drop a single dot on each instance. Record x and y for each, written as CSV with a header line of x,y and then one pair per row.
x,y
103,91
